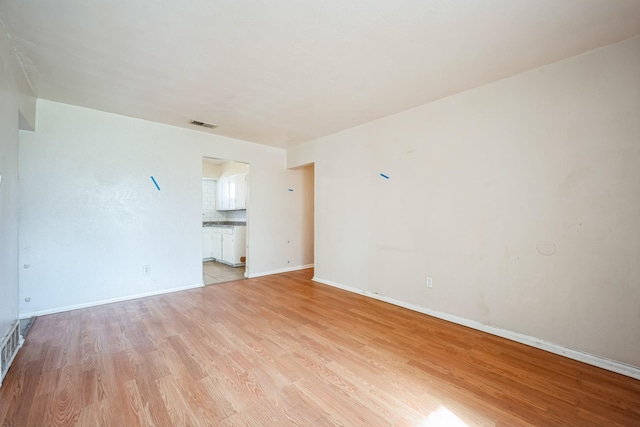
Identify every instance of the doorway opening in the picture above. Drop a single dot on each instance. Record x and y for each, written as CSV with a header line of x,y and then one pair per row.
x,y
225,197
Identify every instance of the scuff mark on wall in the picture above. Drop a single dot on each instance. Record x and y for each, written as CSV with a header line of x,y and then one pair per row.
x,y
546,248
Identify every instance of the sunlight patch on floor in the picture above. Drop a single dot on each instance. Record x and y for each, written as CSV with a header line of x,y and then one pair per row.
x,y
442,417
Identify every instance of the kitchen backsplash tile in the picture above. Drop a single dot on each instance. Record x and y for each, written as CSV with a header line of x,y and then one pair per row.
x,y
209,212
237,215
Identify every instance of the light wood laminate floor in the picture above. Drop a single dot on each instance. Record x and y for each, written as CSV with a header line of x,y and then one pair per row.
x,y
282,350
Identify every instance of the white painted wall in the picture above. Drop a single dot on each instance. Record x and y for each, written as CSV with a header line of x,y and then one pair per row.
x,y
479,184
17,106
90,216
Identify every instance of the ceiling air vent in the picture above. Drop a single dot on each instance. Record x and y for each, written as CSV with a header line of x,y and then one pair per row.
x,y
203,124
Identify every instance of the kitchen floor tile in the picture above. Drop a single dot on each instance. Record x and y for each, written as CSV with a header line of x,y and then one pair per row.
x,y
214,272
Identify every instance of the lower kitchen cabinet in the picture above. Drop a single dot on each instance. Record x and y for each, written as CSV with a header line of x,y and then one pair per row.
x,y
234,243
207,245
216,243
225,244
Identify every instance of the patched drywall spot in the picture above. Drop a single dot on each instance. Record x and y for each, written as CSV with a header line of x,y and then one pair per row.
x,y
546,248
575,178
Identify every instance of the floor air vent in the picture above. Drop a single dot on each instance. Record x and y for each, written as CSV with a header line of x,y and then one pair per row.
x,y
8,348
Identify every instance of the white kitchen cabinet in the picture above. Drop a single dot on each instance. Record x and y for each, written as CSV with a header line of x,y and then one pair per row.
x,y
234,243
206,242
227,246
222,197
239,185
211,243
216,243
232,193
224,244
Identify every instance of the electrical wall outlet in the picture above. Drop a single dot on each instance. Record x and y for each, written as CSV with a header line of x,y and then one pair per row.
x,y
429,282
146,269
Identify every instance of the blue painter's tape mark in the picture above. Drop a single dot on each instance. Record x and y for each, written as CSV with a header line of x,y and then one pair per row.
x,y
384,176
154,181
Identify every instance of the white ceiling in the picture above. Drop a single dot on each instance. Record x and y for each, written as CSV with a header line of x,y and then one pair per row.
x,y
282,72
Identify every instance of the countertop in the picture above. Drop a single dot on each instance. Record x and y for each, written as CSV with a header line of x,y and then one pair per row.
x,y
223,223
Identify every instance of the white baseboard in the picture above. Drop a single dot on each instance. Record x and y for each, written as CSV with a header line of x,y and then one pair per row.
x,y
600,362
106,301
282,270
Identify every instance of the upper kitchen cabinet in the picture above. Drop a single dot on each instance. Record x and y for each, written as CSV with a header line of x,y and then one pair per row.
x,y
222,195
232,193
238,191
